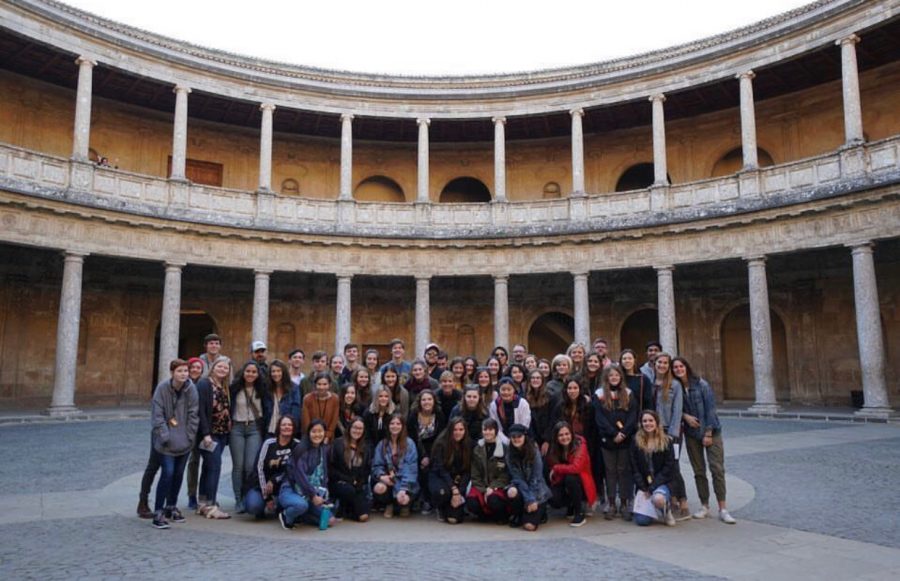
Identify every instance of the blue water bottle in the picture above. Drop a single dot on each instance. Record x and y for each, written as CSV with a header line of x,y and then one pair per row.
x,y
325,517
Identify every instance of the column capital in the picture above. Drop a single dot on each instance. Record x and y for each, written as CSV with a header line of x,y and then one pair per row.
x,y
577,112
499,119
755,259
658,97
267,106
174,266
86,60
581,274
181,89
664,268
851,39
750,75
861,247
342,276
423,121
346,117
74,255
501,278
423,278
262,272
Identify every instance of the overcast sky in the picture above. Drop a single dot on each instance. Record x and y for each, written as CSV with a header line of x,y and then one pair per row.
x,y
426,37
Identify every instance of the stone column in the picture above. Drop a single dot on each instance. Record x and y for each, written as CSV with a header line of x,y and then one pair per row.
x,y
260,329
63,402
868,331
499,159
748,121
853,125
501,310
170,319
265,147
761,337
423,314
346,157
81,141
422,193
666,303
577,151
179,139
582,309
660,170
342,315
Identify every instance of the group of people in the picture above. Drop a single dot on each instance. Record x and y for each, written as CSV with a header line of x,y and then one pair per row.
x,y
502,442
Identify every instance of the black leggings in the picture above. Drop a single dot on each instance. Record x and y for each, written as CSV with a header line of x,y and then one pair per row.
x,y
354,501
525,517
149,474
569,493
440,498
498,508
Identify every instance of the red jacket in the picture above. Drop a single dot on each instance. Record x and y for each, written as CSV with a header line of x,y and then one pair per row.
x,y
578,462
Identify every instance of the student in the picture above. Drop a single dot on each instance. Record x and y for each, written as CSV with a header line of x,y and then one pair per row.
x,y
362,381
458,370
271,463
395,470
373,367
571,481
576,353
214,414
600,346
449,475
541,410
296,359
544,366
509,408
175,420
259,354
502,356
212,351
419,380
485,384
574,408
593,371
472,410
351,362
448,395
390,378
350,409
518,374
304,490
398,351
336,368
376,417
496,370
319,365
323,405
424,423
531,362
430,356
562,367
637,382
350,467
669,405
615,414
653,464
703,436
284,398
487,498
195,374
654,348
528,489
246,393
471,366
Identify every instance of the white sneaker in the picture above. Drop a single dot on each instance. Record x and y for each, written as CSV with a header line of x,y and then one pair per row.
x,y
726,518
702,513
670,518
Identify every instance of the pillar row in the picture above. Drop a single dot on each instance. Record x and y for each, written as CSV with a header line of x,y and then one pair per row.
x,y
179,137
748,121
81,141
761,336
853,125
63,402
660,169
170,320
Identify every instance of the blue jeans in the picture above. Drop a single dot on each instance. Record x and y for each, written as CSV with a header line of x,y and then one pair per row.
x,y
212,469
169,484
254,503
245,442
296,506
644,520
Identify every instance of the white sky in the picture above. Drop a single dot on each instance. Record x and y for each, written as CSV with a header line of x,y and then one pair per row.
x,y
426,37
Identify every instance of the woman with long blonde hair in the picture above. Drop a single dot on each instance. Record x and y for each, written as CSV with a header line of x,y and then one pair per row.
x,y
653,465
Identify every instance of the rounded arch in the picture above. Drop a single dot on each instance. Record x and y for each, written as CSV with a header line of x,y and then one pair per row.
x,y
193,326
551,333
641,326
290,186
733,161
638,176
552,191
464,190
379,188
737,355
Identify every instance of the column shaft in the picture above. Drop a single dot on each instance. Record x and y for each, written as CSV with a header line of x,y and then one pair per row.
x,y
179,137
81,140
423,314
346,157
501,310
342,316
748,121
868,331
67,329
500,159
422,193
265,147
577,151
660,170
260,330
761,336
666,302
170,320
853,125
582,309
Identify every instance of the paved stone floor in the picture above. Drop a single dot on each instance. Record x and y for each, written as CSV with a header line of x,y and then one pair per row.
x,y
813,500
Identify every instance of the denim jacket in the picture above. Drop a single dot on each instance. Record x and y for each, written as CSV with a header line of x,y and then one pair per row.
x,y
406,473
700,402
530,484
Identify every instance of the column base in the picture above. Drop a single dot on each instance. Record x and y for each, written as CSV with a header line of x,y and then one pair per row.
x,y
765,408
880,413
62,411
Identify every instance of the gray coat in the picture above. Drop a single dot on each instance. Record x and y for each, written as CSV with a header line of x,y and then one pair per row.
x,y
182,405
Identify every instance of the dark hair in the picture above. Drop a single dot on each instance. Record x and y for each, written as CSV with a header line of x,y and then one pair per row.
x,y
623,401
211,337
295,351
397,342
536,400
323,375
176,363
285,383
360,444
490,424
482,406
653,342
557,453
319,355
401,437
525,455
259,384
289,418
637,368
453,450
342,406
580,406
502,349
687,367
349,346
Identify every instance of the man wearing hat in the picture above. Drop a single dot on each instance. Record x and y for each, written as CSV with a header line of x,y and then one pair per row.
x,y
258,353
431,359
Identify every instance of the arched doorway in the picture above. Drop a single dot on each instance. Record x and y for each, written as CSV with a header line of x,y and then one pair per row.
x,y
737,356
193,327
379,189
551,334
639,328
733,161
465,190
638,177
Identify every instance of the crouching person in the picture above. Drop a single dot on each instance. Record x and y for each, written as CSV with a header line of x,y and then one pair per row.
x,y
528,489
395,469
449,476
488,498
304,492
271,464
